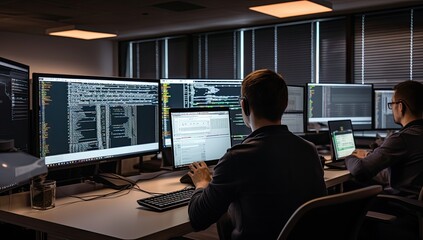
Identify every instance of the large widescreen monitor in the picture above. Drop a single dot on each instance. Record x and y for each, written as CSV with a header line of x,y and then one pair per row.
x,y
329,102
89,119
198,93
383,117
14,104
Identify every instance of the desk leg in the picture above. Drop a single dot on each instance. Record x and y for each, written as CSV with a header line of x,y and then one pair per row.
x,y
338,188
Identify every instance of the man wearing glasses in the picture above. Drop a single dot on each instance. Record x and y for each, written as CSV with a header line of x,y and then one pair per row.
x,y
398,162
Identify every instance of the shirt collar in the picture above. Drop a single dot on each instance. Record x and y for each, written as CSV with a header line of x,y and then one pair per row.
x,y
418,122
267,129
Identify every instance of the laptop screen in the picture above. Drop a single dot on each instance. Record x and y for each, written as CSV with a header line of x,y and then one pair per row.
x,y
342,138
199,134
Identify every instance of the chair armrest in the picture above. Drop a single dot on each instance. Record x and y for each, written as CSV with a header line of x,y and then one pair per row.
x,y
412,204
378,216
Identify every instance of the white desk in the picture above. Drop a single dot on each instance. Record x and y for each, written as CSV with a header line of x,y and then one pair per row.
x,y
112,217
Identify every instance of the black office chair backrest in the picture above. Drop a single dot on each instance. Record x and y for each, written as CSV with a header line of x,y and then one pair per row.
x,y
401,212
337,216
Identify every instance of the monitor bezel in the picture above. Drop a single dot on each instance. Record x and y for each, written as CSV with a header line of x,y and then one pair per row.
x,y
83,163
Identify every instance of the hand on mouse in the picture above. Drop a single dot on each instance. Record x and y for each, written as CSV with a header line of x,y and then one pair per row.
x,y
200,174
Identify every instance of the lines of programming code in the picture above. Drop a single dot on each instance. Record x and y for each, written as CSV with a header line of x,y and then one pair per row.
x,y
189,93
14,95
14,104
96,115
339,101
103,116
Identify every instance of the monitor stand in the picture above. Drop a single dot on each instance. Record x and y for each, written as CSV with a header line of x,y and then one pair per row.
x,y
114,181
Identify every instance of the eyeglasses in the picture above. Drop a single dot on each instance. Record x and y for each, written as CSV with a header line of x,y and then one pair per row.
x,y
391,103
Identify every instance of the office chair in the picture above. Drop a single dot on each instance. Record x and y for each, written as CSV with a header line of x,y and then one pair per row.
x,y
396,207
338,216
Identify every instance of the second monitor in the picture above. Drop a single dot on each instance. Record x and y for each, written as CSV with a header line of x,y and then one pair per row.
x,y
200,93
383,117
329,102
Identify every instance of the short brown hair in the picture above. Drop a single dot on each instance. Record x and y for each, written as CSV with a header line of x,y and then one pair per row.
x,y
411,92
266,93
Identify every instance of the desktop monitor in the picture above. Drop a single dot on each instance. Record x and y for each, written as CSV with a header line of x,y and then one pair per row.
x,y
86,120
293,116
334,101
14,104
202,93
383,117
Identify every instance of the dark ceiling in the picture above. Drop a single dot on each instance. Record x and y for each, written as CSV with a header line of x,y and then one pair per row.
x,y
132,19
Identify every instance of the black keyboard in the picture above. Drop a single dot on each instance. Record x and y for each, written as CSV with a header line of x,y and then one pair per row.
x,y
167,201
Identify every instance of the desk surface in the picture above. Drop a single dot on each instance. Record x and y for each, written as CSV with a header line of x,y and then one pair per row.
x,y
115,217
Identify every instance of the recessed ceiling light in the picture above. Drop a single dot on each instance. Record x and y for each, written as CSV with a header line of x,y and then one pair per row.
x,y
294,8
78,32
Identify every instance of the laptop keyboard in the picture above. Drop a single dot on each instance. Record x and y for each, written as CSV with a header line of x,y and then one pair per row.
x,y
168,201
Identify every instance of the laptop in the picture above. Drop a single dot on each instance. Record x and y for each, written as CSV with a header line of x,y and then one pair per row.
x,y
199,134
342,142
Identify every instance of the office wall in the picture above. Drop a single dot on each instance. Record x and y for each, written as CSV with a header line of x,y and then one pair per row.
x,y
60,55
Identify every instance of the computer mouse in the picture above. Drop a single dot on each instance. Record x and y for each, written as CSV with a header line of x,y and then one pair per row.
x,y
186,179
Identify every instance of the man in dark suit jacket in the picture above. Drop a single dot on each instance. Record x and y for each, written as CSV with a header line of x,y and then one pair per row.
x,y
258,184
